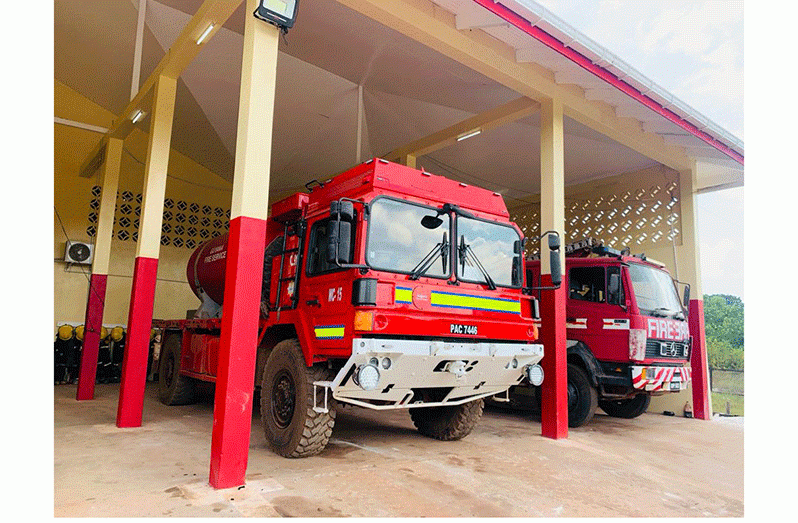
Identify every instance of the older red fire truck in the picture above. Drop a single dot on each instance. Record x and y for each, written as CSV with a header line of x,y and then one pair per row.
x,y
385,287
627,334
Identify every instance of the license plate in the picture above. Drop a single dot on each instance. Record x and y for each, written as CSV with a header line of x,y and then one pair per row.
x,y
459,328
675,385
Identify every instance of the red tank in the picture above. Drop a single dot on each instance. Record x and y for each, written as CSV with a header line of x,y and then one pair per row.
x,y
206,268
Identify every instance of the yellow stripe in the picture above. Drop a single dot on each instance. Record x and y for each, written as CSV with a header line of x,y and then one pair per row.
x,y
474,302
403,295
329,332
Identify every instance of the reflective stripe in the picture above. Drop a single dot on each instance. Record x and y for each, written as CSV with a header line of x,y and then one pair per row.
x,y
403,295
467,301
329,332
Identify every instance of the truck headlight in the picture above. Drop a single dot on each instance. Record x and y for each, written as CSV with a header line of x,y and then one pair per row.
x,y
534,373
367,377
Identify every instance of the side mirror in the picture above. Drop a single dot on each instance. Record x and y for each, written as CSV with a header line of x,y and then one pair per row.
x,y
339,242
343,209
554,259
686,300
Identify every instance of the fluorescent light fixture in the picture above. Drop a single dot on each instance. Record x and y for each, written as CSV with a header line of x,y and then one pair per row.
x,y
205,34
469,134
138,116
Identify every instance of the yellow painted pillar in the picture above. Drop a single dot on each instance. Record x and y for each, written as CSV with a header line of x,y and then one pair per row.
x,y
232,413
554,404
690,272
408,160
99,273
145,271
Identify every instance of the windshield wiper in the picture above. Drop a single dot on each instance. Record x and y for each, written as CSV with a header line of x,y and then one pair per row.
x,y
664,312
439,250
465,250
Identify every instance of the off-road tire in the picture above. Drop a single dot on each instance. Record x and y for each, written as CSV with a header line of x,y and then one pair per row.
x,y
582,397
628,408
447,423
292,428
173,388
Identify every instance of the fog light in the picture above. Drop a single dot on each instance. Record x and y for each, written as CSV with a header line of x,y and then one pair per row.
x,y
368,377
534,373
386,363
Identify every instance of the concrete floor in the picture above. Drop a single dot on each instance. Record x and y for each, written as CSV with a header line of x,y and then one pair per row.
x,y
377,465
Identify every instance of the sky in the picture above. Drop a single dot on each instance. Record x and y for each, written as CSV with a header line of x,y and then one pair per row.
x,y
693,49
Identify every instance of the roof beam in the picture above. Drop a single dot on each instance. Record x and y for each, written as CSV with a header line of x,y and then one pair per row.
x,y
435,27
176,59
496,117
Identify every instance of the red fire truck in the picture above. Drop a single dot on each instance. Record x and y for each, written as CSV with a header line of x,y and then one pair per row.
x,y
628,338
386,288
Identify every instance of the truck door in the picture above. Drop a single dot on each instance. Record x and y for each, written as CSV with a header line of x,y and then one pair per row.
x,y
325,295
595,318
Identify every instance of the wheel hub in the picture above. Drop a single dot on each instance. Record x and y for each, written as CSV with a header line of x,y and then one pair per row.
x,y
283,399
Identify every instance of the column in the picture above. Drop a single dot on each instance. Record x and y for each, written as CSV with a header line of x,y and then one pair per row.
x,y
690,272
145,270
232,413
554,404
99,270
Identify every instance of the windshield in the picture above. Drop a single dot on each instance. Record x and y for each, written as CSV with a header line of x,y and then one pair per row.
x,y
493,247
655,292
398,242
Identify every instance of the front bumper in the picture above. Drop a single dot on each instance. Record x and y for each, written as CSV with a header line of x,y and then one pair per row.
x,y
660,379
456,372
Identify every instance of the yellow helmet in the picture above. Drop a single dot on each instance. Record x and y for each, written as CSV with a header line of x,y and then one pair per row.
x,y
117,333
79,332
103,333
65,332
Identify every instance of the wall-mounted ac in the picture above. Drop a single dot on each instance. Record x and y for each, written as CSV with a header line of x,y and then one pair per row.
x,y
79,252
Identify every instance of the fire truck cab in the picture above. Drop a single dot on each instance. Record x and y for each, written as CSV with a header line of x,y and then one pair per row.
x,y
385,287
627,333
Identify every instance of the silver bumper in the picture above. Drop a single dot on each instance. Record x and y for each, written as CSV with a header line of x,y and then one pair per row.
x,y
458,371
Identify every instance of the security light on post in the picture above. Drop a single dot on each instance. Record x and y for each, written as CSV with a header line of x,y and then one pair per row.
x,y
281,13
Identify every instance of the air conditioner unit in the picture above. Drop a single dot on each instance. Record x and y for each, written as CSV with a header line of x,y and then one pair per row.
x,y
79,252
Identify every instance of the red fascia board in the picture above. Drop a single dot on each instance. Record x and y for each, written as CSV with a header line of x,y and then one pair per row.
x,y
546,39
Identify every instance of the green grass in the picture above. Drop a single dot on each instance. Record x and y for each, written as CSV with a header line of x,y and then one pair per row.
x,y
736,403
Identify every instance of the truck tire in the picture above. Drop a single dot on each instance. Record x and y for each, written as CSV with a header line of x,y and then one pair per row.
x,y
582,397
447,423
628,408
173,388
292,428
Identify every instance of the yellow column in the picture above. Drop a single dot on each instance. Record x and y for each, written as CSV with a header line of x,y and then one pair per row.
x,y
157,163
408,160
232,413
145,271
552,178
105,222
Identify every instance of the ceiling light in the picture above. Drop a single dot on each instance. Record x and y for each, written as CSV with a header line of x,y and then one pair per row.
x,y
138,116
205,34
469,134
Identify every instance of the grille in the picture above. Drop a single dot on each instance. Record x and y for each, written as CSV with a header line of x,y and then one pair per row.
x,y
674,350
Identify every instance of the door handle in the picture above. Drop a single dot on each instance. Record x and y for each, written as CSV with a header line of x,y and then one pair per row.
x,y
314,302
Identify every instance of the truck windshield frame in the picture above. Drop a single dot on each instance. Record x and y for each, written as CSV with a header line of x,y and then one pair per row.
x,y
492,250
654,290
398,242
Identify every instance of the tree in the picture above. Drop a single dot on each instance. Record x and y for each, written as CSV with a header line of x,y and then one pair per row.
x,y
725,328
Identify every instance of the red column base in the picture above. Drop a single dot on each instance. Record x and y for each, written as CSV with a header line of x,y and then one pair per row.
x,y
554,403
139,326
232,412
91,337
698,362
